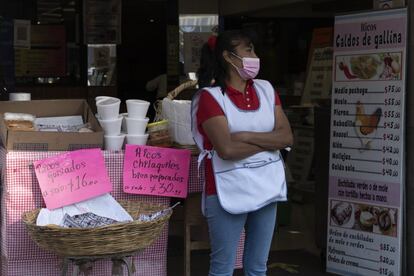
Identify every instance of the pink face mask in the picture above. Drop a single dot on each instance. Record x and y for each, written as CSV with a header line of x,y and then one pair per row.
x,y
251,67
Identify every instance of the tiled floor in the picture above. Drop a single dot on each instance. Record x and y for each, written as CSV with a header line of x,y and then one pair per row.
x,y
293,251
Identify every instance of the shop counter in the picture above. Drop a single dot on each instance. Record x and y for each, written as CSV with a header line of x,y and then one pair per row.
x,y
21,193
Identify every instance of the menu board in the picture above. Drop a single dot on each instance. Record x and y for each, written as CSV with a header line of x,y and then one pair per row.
x,y
366,173
318,84
319,79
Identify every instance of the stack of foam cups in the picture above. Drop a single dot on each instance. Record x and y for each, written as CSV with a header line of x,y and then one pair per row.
x,y
111,121
136,122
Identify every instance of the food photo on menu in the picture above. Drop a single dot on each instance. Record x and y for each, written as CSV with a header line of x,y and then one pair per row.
x,y
366,124
363,217
378,66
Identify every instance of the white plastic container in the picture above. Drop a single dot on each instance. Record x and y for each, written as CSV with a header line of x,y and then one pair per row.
x,y
99,98
20,96
137,108
112,126
108,108
114,142
136,126
178,113
136,139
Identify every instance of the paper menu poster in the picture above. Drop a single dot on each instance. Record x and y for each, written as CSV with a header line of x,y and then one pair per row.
x,y
367,144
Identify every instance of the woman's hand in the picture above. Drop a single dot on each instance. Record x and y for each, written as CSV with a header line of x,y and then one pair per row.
x,y
280,138
228,146
243,144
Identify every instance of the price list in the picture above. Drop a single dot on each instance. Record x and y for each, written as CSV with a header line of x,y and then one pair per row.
x,y
358,254
367,133
366,165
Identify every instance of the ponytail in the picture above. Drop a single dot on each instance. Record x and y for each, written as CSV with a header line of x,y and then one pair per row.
x,y
207,66
213,68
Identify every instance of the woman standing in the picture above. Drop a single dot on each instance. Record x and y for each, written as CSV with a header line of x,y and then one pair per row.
x,y
239,125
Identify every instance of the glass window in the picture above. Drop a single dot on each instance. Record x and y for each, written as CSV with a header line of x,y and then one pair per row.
x,y
195,30
101,64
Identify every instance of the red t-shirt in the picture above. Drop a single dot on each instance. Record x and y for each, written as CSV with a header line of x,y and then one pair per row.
x,y
208,108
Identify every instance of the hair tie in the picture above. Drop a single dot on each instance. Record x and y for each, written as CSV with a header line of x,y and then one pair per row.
x,y
212,40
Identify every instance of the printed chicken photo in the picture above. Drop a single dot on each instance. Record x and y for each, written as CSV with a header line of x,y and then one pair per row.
x,y
369,122
366,124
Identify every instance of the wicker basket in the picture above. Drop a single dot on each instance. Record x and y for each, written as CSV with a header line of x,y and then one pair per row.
x,y
112,239
178,114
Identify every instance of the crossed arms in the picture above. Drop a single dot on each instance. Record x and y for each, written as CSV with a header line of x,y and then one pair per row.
x,y
239,145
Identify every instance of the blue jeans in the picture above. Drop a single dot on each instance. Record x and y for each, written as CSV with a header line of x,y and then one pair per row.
x,y
225,230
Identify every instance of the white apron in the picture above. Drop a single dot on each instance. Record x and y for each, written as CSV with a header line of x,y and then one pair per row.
x,y
247,184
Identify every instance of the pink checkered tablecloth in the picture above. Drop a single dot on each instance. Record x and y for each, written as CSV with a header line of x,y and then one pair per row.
x,y
20,193
196,178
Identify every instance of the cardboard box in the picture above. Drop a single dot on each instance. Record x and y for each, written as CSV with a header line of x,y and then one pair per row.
x,y
50,141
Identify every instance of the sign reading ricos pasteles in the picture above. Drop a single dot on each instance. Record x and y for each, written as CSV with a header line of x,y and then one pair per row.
x,y
366,173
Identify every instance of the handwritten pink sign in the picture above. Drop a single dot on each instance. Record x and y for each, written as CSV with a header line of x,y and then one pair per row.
x,y
156,171
72,177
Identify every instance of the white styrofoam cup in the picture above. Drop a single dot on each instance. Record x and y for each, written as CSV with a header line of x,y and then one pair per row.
x,y
137,139
136,126
137,108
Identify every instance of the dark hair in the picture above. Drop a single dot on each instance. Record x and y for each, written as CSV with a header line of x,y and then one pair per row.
x,y
213,66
